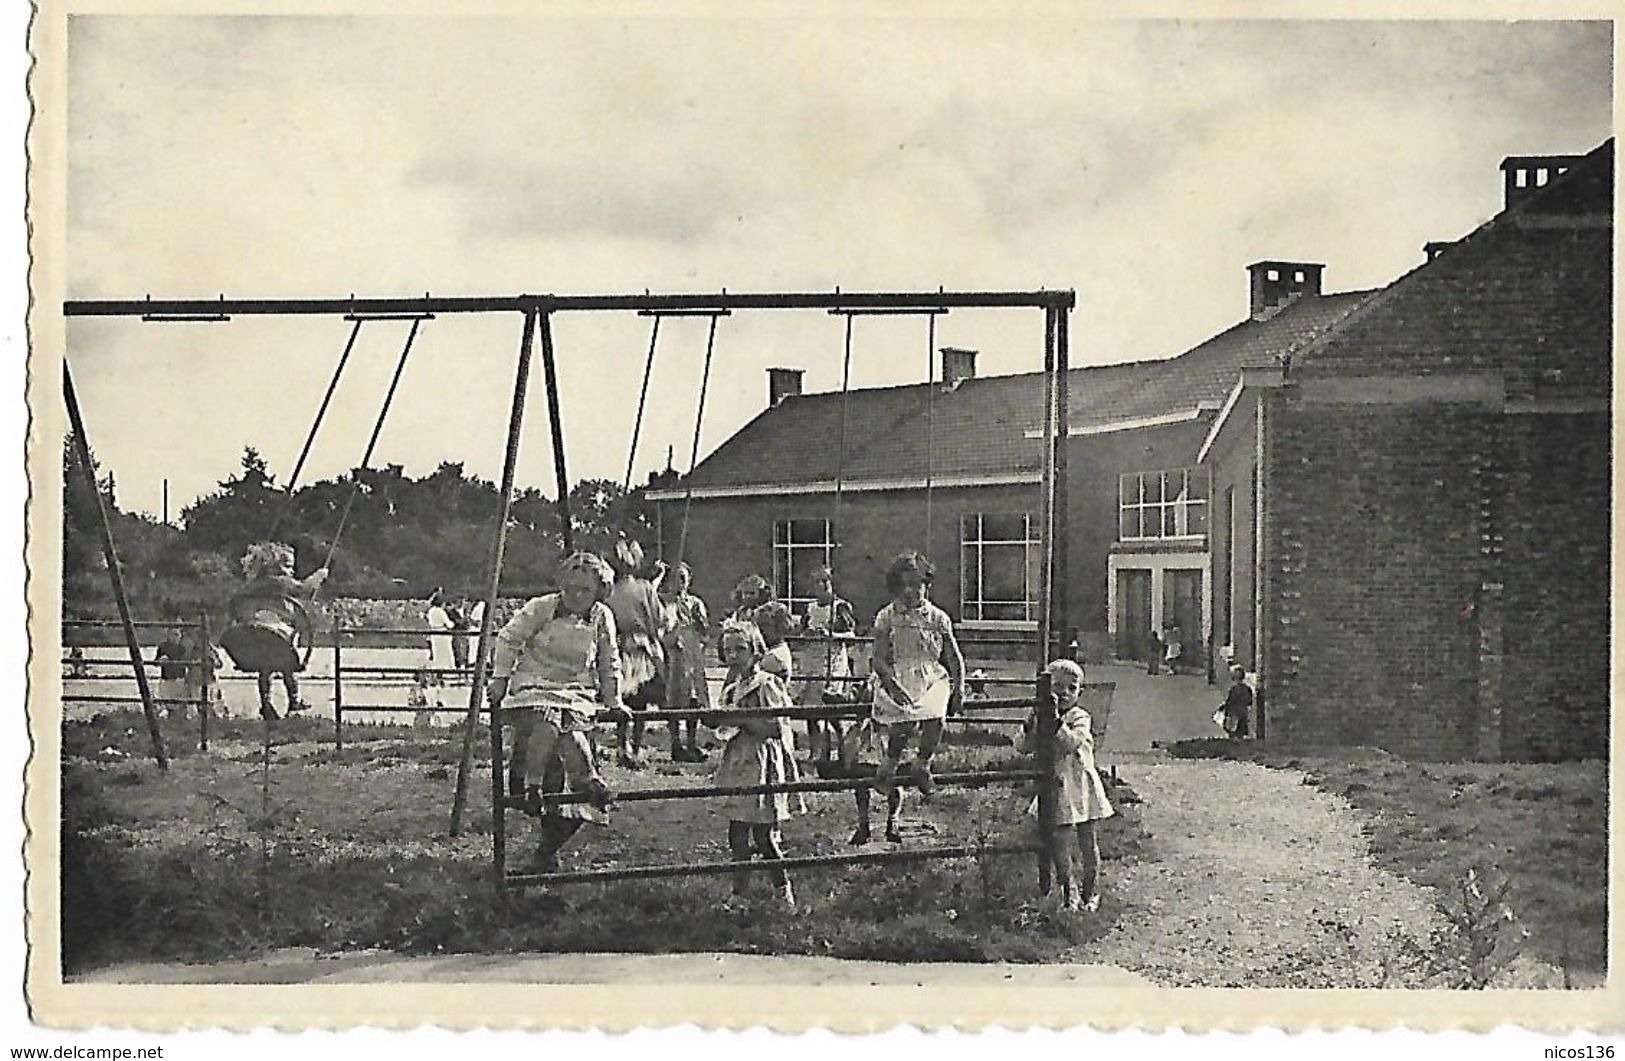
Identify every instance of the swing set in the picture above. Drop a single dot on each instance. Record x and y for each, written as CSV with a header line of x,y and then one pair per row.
x,y
259,648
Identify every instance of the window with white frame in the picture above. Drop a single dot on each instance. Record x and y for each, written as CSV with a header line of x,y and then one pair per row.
x,y
1163,504
800,547
1000,559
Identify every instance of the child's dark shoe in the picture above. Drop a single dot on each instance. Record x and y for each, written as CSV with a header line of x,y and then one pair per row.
x,y
892,834
828,769
860,836
923,778
602,795
299,705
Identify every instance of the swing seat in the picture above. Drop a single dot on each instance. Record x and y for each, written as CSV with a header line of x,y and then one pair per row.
x,y
267,635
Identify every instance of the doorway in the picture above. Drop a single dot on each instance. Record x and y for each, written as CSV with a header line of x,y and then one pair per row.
x,y
1133,614
1182,603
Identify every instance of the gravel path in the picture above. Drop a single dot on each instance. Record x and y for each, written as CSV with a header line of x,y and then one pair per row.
x,y
1253,879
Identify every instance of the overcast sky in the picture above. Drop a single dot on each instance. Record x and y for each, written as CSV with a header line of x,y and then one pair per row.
x,y
1142,163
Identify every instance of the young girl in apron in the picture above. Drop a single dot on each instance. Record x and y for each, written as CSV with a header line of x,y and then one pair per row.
x,y
556,665
919,673
759,752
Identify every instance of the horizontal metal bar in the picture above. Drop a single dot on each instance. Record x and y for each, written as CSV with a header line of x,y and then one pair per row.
x,y
367,317
185,318
352,668
419,631
698,869
685,313
840,784
888,312
93,698
923,300
399,709
177,624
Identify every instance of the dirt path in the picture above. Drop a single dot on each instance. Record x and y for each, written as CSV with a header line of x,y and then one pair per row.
x,y
1252,879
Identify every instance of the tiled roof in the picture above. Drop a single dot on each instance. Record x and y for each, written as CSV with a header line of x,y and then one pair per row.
x,y
980,428
1529,295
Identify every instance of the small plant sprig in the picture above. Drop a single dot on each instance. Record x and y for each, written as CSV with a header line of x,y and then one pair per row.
x,y
1481,937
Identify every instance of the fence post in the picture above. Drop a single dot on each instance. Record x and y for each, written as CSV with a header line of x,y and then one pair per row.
x,y
205,707
338,684
1048,722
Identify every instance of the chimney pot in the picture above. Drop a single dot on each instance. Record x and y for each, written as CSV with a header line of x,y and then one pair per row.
x,y
782,383
958,365
1272,284
1524,175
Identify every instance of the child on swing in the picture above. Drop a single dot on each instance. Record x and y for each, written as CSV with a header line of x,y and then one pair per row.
x,y
919,673
760,752
1080,800
273,621
558,661
635,604
687,626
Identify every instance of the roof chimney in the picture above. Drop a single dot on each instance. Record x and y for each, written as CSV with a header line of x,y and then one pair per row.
x,y
958,365
782,383
1272,285
1523,175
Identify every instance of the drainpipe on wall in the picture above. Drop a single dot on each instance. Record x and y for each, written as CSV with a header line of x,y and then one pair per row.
x,y
1264,382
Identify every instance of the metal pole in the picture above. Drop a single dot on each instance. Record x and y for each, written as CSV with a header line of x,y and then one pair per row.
x,y
561,472
1046,501
110,554
321,412
694,453
643,398
1059,567
205,687
1048,724
166,502
482,650
338,684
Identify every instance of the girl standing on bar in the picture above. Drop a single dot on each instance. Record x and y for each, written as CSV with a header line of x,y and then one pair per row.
x,y
919,672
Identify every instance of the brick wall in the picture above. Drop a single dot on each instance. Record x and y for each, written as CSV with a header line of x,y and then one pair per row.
x,y
1231,463
1372,521
731,537
1557,576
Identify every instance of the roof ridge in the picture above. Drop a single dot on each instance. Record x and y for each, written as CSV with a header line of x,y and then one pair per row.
x,y
1493,224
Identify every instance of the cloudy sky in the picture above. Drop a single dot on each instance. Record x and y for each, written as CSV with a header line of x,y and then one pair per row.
x,y
1142,163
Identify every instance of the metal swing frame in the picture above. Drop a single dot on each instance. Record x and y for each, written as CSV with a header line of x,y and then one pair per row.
x,y
537,313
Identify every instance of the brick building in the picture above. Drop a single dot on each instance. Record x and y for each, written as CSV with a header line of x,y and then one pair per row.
x,y
1413,510
766,500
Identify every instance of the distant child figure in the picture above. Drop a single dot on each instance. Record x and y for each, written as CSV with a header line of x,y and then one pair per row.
x,y
750,593
635,603
171,656
759,753
1237,708
458,613
919,673
687,626
558,662
775,623
830,618
272,625
1153,655
419,698
1081,799
438,618
1172,646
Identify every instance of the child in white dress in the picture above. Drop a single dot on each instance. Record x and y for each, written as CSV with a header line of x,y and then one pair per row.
x,y
1080,799
919,673
760,752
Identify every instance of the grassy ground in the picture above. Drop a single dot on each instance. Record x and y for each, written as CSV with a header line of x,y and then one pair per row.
x,y
1544,826
350,849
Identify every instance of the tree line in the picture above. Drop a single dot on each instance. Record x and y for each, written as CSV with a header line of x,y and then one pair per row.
x,y
389,535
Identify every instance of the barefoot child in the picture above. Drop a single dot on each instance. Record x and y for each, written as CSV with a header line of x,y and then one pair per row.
x,y
918,669
1080,799
687,626
272,625
558,661
759,753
